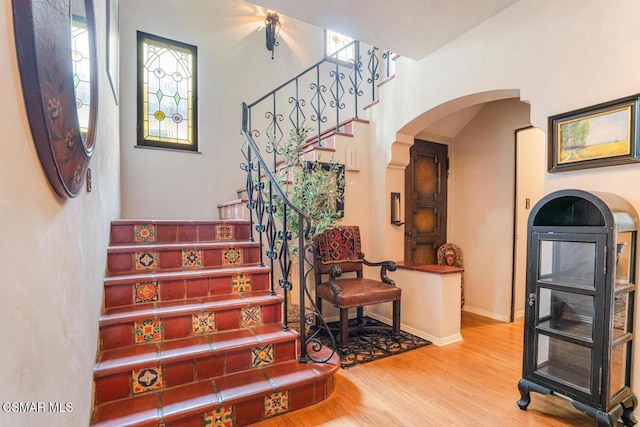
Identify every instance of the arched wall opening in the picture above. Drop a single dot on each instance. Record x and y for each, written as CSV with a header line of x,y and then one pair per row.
x,y
480,131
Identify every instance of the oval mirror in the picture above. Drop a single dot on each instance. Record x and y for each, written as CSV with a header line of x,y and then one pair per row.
x,y
55,46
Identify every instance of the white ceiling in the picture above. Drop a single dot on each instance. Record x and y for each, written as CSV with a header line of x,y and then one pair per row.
x,y
412,28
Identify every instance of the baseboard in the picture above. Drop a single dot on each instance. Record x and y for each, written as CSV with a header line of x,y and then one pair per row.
x,y
484,313
519,314
439,342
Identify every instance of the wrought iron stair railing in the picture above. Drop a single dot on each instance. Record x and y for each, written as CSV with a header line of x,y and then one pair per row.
x,y
318,95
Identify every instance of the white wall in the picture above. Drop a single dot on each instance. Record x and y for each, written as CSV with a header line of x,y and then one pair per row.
x,y
530,170
482,194
233,66
53,255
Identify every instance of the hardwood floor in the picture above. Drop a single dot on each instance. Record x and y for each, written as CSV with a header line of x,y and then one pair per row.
x,y
471,383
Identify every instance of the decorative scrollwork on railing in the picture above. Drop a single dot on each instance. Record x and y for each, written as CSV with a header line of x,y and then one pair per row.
x,y
372,66
274,132
374,62
260,207
297,112
316,97
355,78
337,90
318,103
312,318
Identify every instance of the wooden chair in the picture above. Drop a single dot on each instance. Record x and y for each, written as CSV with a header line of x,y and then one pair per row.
x,y
339,251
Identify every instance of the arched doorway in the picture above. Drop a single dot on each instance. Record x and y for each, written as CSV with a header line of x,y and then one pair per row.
x,y
482,193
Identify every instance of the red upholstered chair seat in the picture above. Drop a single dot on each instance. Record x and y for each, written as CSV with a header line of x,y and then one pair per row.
x,y
339,251
357,292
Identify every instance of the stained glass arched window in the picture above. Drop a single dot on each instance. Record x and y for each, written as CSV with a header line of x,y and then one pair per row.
x,y
167,87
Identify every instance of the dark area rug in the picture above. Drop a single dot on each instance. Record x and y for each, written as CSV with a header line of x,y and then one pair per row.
x,y
366,346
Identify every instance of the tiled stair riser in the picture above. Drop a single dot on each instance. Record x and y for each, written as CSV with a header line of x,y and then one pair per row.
x,y
127,260
161,288
130,232
161,376
124,334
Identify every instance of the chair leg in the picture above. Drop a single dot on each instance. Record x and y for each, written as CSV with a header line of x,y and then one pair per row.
x,y
360,314
344,327
396,317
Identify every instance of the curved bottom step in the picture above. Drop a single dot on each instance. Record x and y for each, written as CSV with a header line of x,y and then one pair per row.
x,y
239,399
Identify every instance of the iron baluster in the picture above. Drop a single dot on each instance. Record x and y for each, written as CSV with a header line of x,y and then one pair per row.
x,y
374,62
387,59
337,91
271,239
355,77
249,188
260,208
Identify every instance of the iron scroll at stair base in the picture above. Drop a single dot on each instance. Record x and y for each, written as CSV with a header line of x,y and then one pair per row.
x,y
622,411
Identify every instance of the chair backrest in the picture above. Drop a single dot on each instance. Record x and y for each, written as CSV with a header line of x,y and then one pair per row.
x,y
450,254
340,246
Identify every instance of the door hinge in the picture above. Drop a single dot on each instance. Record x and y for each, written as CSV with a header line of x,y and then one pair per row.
x,y
600,382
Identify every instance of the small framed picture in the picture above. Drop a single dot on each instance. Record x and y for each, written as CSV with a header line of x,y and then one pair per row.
x,y
600,135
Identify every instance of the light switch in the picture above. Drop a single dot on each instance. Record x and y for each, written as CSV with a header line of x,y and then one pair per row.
x,y
352,162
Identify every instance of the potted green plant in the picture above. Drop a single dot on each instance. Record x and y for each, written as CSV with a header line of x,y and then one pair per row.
x,y
313,186
316,188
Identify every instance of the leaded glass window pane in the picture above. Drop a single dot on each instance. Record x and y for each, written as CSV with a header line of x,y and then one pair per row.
x,y
81,61
336,46
168,86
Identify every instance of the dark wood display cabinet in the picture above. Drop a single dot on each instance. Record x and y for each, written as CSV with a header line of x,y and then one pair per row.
x,y
579,311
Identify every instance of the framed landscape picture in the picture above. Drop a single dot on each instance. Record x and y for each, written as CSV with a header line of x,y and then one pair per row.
x,y
600,135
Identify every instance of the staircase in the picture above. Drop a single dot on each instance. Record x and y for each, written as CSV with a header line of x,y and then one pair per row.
x,y
191,334
192,331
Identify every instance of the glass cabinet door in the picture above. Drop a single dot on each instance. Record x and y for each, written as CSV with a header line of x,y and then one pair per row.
x,y
564,336
565,279
565,361
567,263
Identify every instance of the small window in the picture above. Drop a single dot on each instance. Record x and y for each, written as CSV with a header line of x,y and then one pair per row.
x,y
339,47
167,89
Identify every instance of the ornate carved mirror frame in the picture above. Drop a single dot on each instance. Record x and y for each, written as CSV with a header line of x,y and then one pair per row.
x,y
44,49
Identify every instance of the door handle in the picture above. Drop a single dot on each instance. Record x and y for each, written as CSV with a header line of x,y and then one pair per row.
x,y
532,299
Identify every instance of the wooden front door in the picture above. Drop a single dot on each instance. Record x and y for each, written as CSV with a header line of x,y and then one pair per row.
x,y
425,201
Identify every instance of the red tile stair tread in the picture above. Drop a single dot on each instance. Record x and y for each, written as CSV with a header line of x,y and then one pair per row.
x,y
273,334
174,308
128,412
237,387
201,396
136,357
183,274
176,222
126,359
219,244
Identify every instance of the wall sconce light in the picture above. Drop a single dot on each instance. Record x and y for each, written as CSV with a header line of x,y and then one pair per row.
x,y
272,27
396,209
